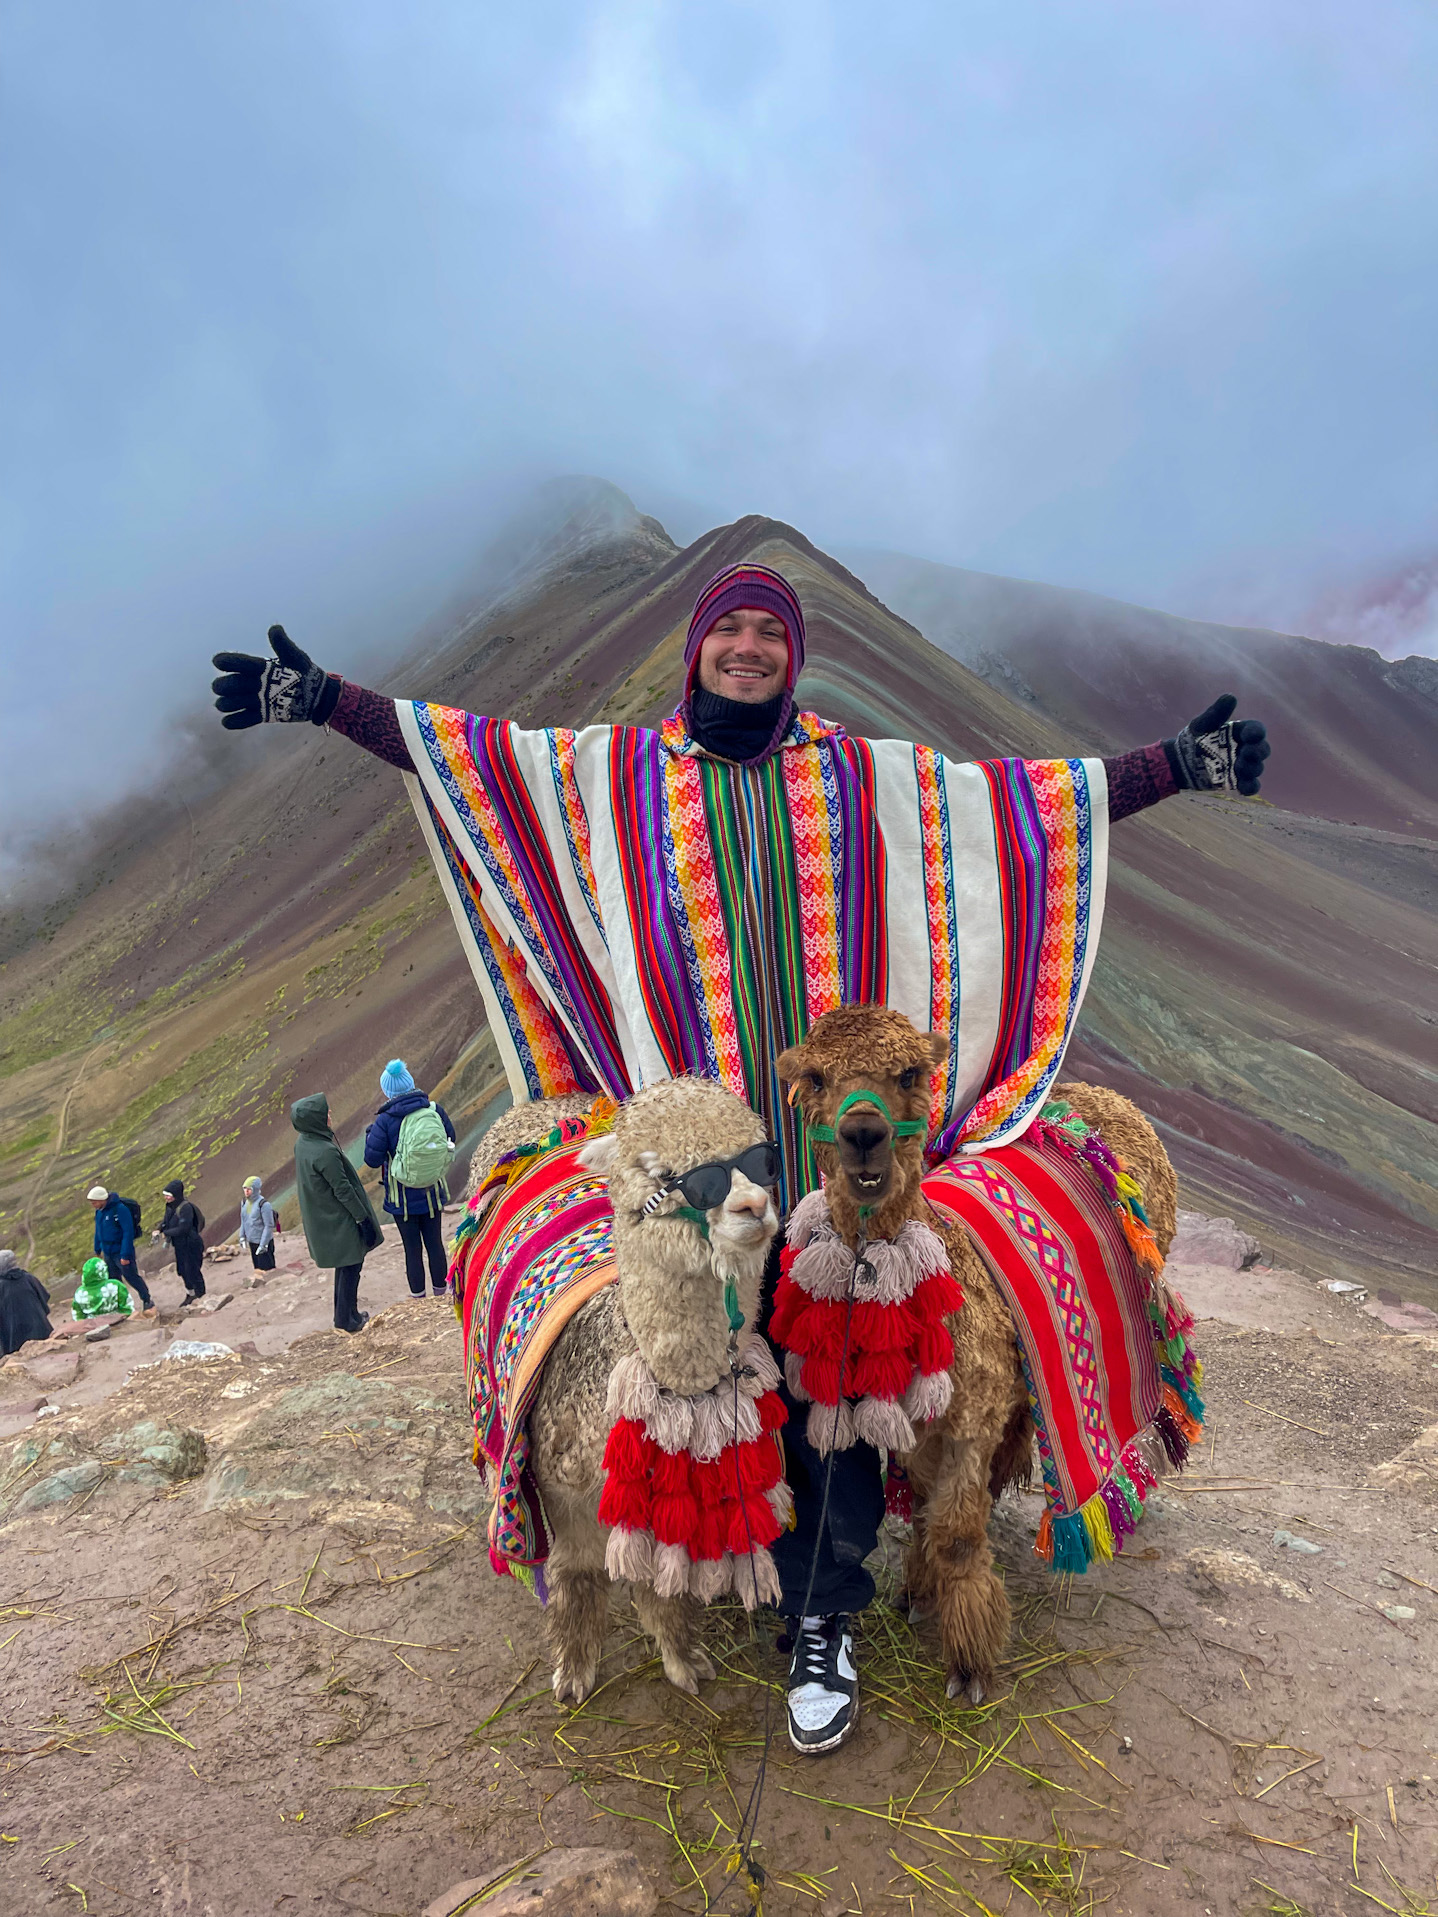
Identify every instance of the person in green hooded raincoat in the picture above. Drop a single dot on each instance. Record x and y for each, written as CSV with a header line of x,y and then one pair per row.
x,y
98,1295
338,1219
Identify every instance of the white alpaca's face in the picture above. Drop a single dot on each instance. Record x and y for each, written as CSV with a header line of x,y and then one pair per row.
x,y
695,1132
743,1221
687,1164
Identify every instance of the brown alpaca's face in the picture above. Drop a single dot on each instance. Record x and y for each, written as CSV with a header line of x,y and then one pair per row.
x,y
863,1072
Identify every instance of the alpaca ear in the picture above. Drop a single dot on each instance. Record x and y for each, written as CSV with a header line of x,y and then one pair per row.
x,y
790,1065
938,1043
600,1155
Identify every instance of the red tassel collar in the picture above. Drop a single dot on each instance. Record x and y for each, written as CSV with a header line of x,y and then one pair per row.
x,y
694,1490
884,1322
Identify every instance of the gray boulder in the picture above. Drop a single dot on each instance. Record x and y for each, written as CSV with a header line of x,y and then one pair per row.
x,y
47,1469
1201,1240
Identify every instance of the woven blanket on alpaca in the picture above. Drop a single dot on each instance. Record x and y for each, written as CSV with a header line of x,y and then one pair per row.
x,y
1102,1343
634,910
542,1249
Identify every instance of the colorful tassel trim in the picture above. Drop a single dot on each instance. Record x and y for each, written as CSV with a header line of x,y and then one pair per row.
x,y
589,1124
883,1326
1061,1125
1095,1533
694,1490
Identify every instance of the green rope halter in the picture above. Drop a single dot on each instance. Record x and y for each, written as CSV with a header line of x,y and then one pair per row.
x,y
690,1216
900,1127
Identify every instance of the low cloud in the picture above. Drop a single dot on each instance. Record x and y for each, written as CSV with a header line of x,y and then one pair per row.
x,y
301,296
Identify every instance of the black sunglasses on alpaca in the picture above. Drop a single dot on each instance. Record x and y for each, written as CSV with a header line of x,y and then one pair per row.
x,y
708,1185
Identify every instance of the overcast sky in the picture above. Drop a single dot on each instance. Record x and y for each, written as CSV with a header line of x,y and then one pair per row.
x,y
295,296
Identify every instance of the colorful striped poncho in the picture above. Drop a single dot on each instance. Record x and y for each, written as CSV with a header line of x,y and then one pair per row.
x,y
633,909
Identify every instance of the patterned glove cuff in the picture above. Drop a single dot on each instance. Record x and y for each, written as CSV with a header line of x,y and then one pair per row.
x,y
1205,759
289,695
329,698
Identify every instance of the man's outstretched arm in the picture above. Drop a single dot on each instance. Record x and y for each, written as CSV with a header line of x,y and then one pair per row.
x,y
291,688
1213,753
371,721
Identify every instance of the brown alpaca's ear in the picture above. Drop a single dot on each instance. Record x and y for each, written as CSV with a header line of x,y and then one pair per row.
x,y
938,1043
790,1065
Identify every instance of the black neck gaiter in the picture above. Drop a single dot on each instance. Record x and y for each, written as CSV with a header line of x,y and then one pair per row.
x,y
729,728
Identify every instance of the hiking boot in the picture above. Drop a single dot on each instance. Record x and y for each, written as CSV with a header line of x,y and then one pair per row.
x,y
358,1325
823,1703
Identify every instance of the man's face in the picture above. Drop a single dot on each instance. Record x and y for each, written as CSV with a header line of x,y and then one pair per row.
x,y
745,656
98,1203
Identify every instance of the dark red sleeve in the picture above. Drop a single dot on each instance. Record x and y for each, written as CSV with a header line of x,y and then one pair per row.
x,y
370,720
1139,779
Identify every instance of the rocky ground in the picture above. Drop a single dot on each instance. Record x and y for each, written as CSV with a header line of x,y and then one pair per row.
x,y
254,1658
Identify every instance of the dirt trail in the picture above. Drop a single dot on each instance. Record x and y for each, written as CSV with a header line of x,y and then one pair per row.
x,y
281,1676
43,1175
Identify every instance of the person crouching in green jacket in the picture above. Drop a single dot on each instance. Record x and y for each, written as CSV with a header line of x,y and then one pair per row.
x,y
338,1219
98,1294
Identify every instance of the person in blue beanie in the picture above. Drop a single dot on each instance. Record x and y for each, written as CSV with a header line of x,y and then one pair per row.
x,y
413,1140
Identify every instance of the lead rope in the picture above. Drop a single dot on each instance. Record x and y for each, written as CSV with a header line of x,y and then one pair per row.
x,y
747,1834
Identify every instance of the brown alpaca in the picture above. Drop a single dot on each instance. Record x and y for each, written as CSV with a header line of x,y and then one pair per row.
x,y
983,1441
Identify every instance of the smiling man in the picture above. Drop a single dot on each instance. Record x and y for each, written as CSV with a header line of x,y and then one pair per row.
x,y
641,904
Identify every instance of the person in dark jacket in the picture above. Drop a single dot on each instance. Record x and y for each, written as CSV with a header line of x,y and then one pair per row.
x,y
115,1243
415,1209
182,1225
338,1219
24,1306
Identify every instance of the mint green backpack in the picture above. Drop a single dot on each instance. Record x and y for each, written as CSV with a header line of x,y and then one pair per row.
x,y
422,1152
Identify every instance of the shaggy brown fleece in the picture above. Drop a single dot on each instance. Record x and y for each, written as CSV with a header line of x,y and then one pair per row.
x,y
984,1441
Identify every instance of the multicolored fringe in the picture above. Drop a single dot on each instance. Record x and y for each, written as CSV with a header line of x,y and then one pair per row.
x,y
593,1123
1096,1531
1068,1133
533,1247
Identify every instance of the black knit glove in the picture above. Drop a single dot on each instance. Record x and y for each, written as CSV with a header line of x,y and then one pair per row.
x,y
290,687
1215,753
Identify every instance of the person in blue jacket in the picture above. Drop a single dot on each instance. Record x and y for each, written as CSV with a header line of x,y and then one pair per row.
x,y
416,1210
115,1243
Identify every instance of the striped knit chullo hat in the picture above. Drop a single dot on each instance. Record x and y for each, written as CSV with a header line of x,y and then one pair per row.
x,y
747,585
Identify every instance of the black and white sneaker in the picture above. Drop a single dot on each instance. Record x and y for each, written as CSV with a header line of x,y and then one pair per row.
x,y
823,1700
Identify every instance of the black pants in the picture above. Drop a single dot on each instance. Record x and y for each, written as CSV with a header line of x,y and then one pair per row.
x,y
420,1235
262,1260
188,1262
130,1277
836,1551
833,1552
347,1279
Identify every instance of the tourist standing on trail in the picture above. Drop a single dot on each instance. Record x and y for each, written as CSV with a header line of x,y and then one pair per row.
x,y
338,1219
182,1225
412,1138
637,904
24,1306
259,1222
115,1222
